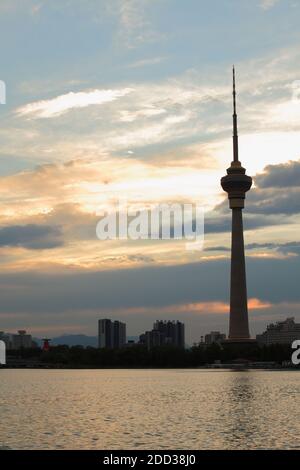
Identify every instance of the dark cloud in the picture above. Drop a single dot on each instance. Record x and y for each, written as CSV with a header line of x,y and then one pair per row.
x,y
276,192
34,237
285,175
222,223
80,298
275,280
218,248
273,201
285,248
290,247
140,258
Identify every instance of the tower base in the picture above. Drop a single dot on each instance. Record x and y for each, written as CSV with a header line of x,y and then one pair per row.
x,y
239,341
240,347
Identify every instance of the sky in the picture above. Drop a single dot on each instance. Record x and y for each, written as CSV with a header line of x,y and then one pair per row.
x,y
131,99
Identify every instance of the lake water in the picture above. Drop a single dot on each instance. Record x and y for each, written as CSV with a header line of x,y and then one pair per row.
x,y
149,409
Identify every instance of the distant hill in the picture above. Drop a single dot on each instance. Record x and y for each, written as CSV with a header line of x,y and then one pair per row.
x,y
72,340
78,340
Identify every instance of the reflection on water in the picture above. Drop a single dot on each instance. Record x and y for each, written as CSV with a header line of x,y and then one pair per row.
x,y
149,409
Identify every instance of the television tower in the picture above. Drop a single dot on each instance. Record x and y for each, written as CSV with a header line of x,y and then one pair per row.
x,y
236,183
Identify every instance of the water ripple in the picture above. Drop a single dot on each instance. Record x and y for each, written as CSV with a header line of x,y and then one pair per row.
x,y
149,409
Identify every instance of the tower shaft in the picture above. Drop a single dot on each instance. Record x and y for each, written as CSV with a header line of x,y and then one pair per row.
x,y
238,323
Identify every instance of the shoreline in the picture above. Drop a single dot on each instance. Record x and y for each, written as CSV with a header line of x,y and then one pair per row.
x,y
237,367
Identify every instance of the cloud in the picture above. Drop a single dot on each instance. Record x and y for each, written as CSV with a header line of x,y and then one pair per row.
x,y
146,62
285,175
36,8
64,103
131,15
271,201
171,113
285,248
141,118
135,27
12,5
222,223
269,198
74,195
199,308
268,4
31,236
195,293
268,249
152,286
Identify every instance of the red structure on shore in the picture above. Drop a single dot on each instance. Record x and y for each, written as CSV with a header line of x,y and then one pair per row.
x,y
46,344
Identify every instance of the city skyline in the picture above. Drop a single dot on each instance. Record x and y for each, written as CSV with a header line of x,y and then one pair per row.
x,y
130,101
112,335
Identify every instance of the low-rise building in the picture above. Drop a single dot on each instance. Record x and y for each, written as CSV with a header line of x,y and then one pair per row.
x,y
214,337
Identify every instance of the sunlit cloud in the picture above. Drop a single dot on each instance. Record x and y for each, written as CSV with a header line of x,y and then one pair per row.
x,y
286,114
64,103
260,149
270,255
268,4
216,307
146,62
257,304
201,308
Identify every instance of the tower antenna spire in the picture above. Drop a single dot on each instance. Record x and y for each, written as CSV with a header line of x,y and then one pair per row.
x,y
235,127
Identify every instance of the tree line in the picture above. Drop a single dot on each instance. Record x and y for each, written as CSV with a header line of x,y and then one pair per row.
x,y
140,356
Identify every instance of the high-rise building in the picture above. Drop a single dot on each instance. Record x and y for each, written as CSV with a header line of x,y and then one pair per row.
x,y
236,183
119,335
172,332
111,334
105,334
163,333
282,332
